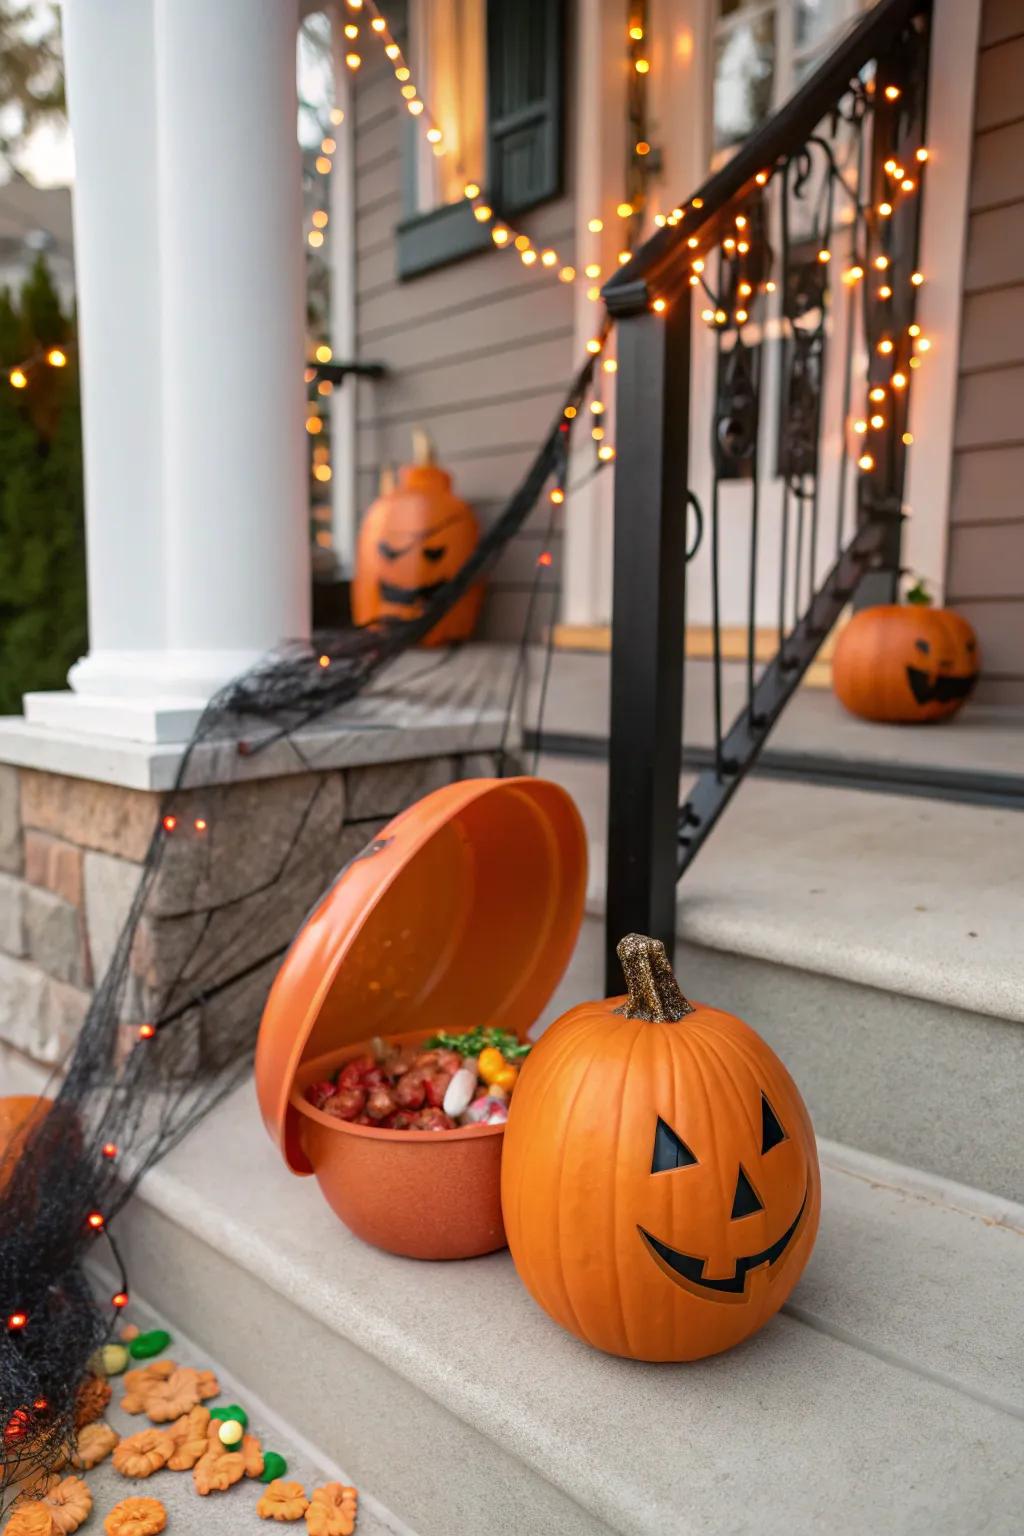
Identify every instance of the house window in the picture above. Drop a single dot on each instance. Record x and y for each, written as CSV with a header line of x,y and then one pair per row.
x,y
763,50
493,78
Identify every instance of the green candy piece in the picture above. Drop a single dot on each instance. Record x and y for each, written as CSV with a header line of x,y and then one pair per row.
x,y
146,1344
273,1466
231,1411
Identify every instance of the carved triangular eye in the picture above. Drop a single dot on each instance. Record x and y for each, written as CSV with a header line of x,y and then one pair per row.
x,y
670,1151
771,1131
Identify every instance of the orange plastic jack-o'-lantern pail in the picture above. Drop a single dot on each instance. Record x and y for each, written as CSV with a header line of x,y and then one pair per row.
x,y
463,911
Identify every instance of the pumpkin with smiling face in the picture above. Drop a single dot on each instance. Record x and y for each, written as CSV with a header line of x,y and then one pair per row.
x,y
660,1186
412,540
905,662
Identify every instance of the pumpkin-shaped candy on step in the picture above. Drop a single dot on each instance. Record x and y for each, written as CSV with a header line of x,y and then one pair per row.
x,y
413,539
660,1185
905,662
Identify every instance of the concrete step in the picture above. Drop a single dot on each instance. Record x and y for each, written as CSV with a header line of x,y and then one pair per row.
x,y
875,941
233,1510
886,1397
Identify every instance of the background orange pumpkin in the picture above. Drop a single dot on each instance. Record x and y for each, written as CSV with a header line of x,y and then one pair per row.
x,y
412,540
20,1113
905,662
660,1185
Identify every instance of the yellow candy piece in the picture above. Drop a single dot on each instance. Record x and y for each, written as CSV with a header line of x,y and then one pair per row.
x,y
491,1063
230,1432
506,1078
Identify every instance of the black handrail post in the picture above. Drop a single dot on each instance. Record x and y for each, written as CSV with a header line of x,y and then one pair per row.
x,y
648,607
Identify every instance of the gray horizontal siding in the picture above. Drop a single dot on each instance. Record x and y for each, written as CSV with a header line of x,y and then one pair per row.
x,y
985,566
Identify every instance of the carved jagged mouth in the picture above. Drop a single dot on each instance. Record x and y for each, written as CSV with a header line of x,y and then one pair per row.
x,y
690,1271
408,595
943,690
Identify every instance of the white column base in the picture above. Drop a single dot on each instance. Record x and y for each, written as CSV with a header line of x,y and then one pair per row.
x,y
153,721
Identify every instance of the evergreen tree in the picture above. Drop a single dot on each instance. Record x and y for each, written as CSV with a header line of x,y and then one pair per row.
x,y
42,541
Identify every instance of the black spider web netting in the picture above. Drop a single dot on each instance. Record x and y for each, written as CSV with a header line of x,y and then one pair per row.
x,y
172,1025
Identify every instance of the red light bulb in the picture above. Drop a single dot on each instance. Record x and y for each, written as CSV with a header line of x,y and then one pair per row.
x,y
200,823
119,1299
95,1220
147,1031
169,823
17,1320
110,1149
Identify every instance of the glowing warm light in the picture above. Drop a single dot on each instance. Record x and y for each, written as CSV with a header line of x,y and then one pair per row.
x,y
606,452
434,135
18,378
56,358
707,315
594,293
499,234
403,72
860,426
917,278
17,1320
885,292
556,496
314,425
623,257
200,823
522,242
907,184
636,33
595,226
325,387
378,24
528,258
892,93
567,274
392,50
351,30
890,166
147,1031
881,262
610,365
320,218
109,1149
408,91
597,406
914,330
824,255
548,258
328,146
323,165
660,220
415,107
642,147
471,189
915,362
769,287
315,239
597,433
593,346
923,344
323,473
592,269
119,1299
95,1220
481,213
921,155
659,306
353,60
743,247
729,245
898,381
642,66
169,823
878,393
698,202
878,422
624,210
693,242
761,178
698,266
741,317
545,557
337,116
907,439
720,316
885,209
865,461
853,274
885,346
569,412
743,290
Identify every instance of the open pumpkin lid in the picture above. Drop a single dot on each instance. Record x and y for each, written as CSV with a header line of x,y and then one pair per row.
x,y
463,911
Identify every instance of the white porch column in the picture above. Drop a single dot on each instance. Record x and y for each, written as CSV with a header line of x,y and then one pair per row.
x,y
232,291
108,50
341,240
191,295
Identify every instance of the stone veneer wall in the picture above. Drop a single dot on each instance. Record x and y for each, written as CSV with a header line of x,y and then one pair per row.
x,y
71,852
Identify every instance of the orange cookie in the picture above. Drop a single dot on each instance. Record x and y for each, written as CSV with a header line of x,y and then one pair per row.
x,y
140,1383
178,1394
30,1520
189,1434
91,1400
332,1510
217,1469
70,1504
136,1517
283,1501
95,1443
141,1454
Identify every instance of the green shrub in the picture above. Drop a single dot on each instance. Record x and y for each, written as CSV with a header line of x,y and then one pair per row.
x,y
42,539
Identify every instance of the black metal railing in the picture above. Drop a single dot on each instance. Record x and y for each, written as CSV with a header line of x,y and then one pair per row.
x,y
784,290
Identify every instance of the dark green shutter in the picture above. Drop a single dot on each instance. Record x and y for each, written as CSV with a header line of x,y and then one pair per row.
x,y
525,71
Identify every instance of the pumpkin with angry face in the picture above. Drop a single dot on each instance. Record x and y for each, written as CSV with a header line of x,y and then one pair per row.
x,y
660,1185
412,541
905,662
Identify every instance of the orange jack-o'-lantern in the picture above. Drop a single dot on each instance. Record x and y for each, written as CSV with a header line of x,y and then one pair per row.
x,y
905,662
412,540
660,1185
